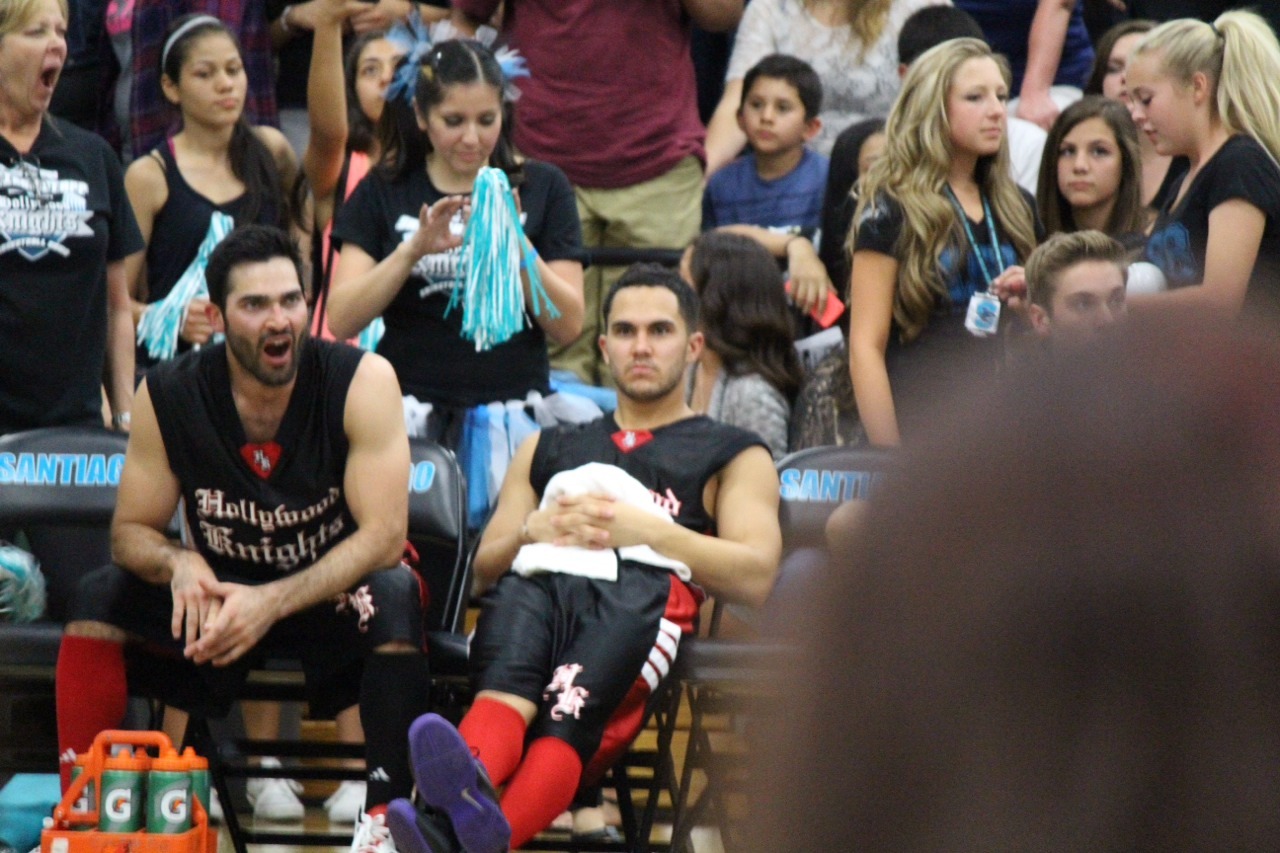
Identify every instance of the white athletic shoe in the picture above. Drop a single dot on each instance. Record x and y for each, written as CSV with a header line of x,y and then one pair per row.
x,y
347,803
372,836
275,799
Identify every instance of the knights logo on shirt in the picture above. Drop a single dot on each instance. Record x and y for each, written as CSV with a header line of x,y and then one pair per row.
x,y
39,210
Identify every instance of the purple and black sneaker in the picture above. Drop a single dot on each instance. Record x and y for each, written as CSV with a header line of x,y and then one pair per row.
x,y
451,781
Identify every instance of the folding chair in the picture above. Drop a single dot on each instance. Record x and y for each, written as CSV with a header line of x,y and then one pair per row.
x,y
816,480
438,532
720,677
66,477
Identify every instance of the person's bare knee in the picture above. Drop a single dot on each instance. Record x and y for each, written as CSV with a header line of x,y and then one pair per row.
x,y
522,706
347,721
174,723
396,647
95,631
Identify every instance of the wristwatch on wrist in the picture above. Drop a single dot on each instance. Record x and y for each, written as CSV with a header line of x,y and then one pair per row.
x,y
122,420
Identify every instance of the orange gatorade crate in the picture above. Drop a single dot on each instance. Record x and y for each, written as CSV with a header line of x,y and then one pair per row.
x,y
73,831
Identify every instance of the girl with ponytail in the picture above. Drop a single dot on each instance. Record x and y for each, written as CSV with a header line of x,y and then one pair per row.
x,y
1211,92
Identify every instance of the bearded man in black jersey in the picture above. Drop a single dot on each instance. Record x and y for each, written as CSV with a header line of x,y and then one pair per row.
x,y
598,573
290,460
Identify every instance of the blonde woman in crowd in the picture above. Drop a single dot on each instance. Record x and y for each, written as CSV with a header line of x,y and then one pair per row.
x,y
939,227
1211,92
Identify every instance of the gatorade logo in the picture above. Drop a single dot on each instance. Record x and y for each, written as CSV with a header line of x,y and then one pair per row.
x,y
173,805
120,805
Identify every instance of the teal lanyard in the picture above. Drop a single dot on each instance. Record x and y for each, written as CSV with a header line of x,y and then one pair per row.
x,y
968,233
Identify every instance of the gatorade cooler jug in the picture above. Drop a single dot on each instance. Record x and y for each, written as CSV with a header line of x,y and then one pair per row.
x,y
124,780
198,767
87,801
168,794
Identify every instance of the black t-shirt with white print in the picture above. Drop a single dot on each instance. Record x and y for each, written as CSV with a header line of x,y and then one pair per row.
x,y
64,216
424,344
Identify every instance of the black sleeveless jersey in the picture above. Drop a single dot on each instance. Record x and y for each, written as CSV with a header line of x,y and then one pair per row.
x,y
675,461
256,511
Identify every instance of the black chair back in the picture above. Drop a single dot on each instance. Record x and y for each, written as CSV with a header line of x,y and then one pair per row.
x,y
58,485
438,530
62,475
816,480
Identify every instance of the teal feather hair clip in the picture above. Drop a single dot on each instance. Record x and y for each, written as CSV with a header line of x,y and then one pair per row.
x,y
416,40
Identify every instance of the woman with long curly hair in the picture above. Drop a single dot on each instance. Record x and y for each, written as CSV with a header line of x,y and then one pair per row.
x,y
940,230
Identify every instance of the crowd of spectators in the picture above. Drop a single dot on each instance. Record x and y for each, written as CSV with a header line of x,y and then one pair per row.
x,y
870,187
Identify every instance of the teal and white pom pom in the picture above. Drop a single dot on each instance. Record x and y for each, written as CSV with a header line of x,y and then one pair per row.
x,y
22,593
494,251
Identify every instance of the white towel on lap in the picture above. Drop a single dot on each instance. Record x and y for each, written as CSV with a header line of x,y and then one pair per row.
x,y
602,564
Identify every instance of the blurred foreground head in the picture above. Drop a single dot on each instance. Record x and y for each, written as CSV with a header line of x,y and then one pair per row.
x,y
1060,627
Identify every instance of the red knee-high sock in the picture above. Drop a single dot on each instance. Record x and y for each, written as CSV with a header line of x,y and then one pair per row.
x,y
495,732
91,694
541,788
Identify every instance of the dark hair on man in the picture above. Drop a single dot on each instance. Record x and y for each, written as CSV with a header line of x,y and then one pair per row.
x,y
246,245
795,72
931,26
1059,655
656,275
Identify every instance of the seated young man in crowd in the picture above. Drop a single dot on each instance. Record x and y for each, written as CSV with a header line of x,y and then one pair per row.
x,y
1076,286
773,194
289,457
575,636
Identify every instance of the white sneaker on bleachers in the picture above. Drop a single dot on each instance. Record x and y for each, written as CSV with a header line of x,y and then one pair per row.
x,y
346,804
275,799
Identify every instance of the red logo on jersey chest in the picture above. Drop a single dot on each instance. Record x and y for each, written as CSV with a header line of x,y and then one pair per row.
x,y
262,458
629,439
